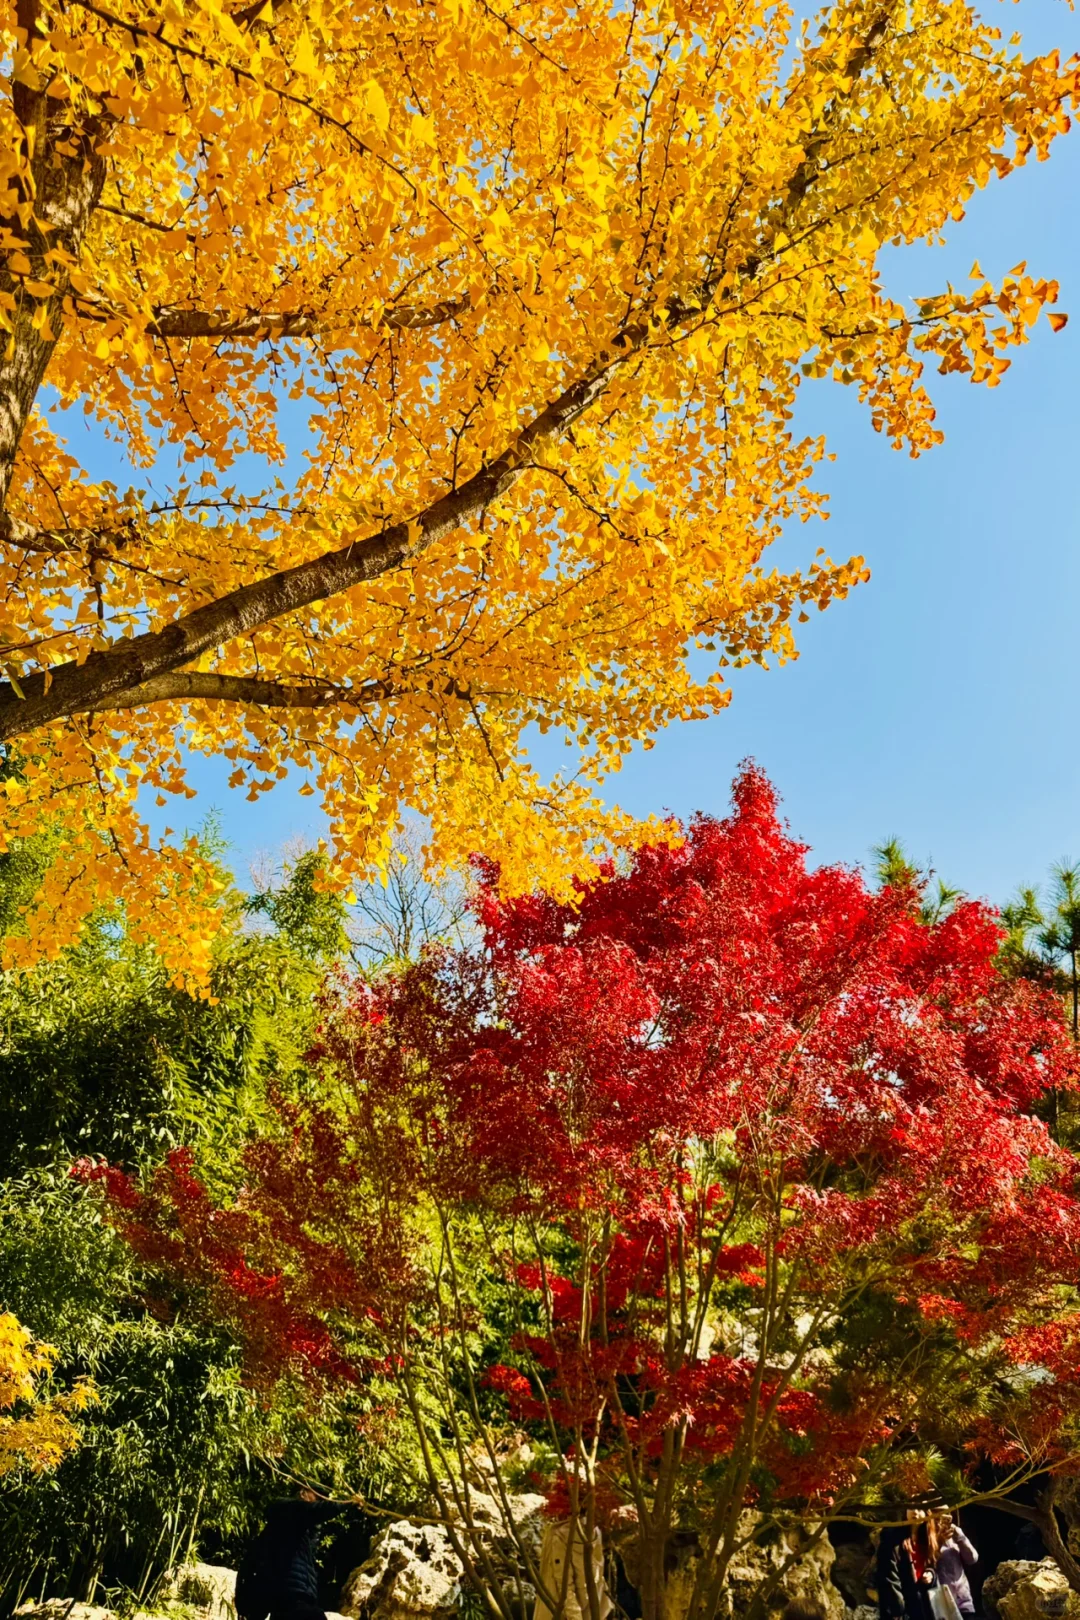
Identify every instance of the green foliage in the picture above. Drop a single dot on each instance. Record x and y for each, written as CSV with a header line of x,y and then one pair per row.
x,y
894,870
1044,935
100,1054
163,1448
1043,945
307,915
181,1453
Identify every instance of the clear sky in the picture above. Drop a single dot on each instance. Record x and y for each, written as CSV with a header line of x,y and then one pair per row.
x,y
939,702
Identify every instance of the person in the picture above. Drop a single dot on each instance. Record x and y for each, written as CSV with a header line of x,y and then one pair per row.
x,y
278,1575
955,1557
910,1572
569,1588
889,1539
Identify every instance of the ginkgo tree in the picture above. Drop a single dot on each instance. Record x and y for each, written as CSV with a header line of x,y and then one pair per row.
x,y
542,281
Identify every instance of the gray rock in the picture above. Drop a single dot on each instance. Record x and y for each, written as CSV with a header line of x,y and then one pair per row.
x,y
810,1577
853,1572
63,1609
208,1587
1021,1590
413,1571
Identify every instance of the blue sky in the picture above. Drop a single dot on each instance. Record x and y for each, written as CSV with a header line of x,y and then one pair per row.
x,y
938,703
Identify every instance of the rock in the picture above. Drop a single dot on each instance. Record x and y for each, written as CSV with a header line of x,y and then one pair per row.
x,y
208,1587
414,1572
1021,1590
63,1609
853,1572
864,1611
809,1577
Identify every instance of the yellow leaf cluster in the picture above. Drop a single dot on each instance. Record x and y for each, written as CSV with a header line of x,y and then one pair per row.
x,y
41,1433
533,289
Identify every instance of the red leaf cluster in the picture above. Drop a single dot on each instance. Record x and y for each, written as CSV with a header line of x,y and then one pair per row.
x,y
719,1082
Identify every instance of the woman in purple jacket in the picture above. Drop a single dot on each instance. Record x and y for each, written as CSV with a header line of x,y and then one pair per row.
x,y
955,1557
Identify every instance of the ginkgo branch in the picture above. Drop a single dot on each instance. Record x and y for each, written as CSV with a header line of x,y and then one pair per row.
x,y
217,323
103,675
137,663
195,686
58,541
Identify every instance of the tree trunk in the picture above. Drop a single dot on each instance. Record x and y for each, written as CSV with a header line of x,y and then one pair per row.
x,y
58,193
1050,1529
652,1554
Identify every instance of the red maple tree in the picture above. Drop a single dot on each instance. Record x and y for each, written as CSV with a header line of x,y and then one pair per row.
x,y
726,1183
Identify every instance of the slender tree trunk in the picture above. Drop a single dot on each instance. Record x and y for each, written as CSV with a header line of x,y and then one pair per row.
x,y
1056,1543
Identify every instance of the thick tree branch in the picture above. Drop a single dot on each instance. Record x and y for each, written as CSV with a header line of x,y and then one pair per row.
x,y
96,542
75,688
218,323
190,685
65,195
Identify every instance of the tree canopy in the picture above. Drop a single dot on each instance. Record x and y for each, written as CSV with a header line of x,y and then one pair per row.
x,y
100,1053
535,287
725,1179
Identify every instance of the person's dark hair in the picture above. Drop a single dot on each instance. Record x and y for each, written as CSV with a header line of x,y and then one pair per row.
x,y
804,1609
926,1539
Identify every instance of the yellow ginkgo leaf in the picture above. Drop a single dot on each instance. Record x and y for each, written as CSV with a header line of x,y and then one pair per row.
x,y
304,59
375,102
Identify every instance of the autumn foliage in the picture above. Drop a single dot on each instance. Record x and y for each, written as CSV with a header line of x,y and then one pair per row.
x,y
726,1182
36,1431
528,294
